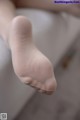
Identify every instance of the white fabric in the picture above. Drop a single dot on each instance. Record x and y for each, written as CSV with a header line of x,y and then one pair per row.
x,y
52,34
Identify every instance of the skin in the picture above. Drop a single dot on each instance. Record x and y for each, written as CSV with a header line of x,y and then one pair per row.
x,y
30,65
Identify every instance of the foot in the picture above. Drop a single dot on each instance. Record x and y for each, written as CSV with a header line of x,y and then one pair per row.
x,y
30,65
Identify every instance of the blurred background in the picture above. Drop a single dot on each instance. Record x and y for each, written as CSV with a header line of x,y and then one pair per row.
x,y
58,37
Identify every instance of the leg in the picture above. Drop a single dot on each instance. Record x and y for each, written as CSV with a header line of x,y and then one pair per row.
x,y
41,4
30,65
7,13
73,9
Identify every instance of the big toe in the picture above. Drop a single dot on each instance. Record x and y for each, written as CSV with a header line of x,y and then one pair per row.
x,y
50,85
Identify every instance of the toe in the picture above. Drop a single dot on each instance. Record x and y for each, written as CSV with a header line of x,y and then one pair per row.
x,y
26,80
50,85
38,86
34,83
